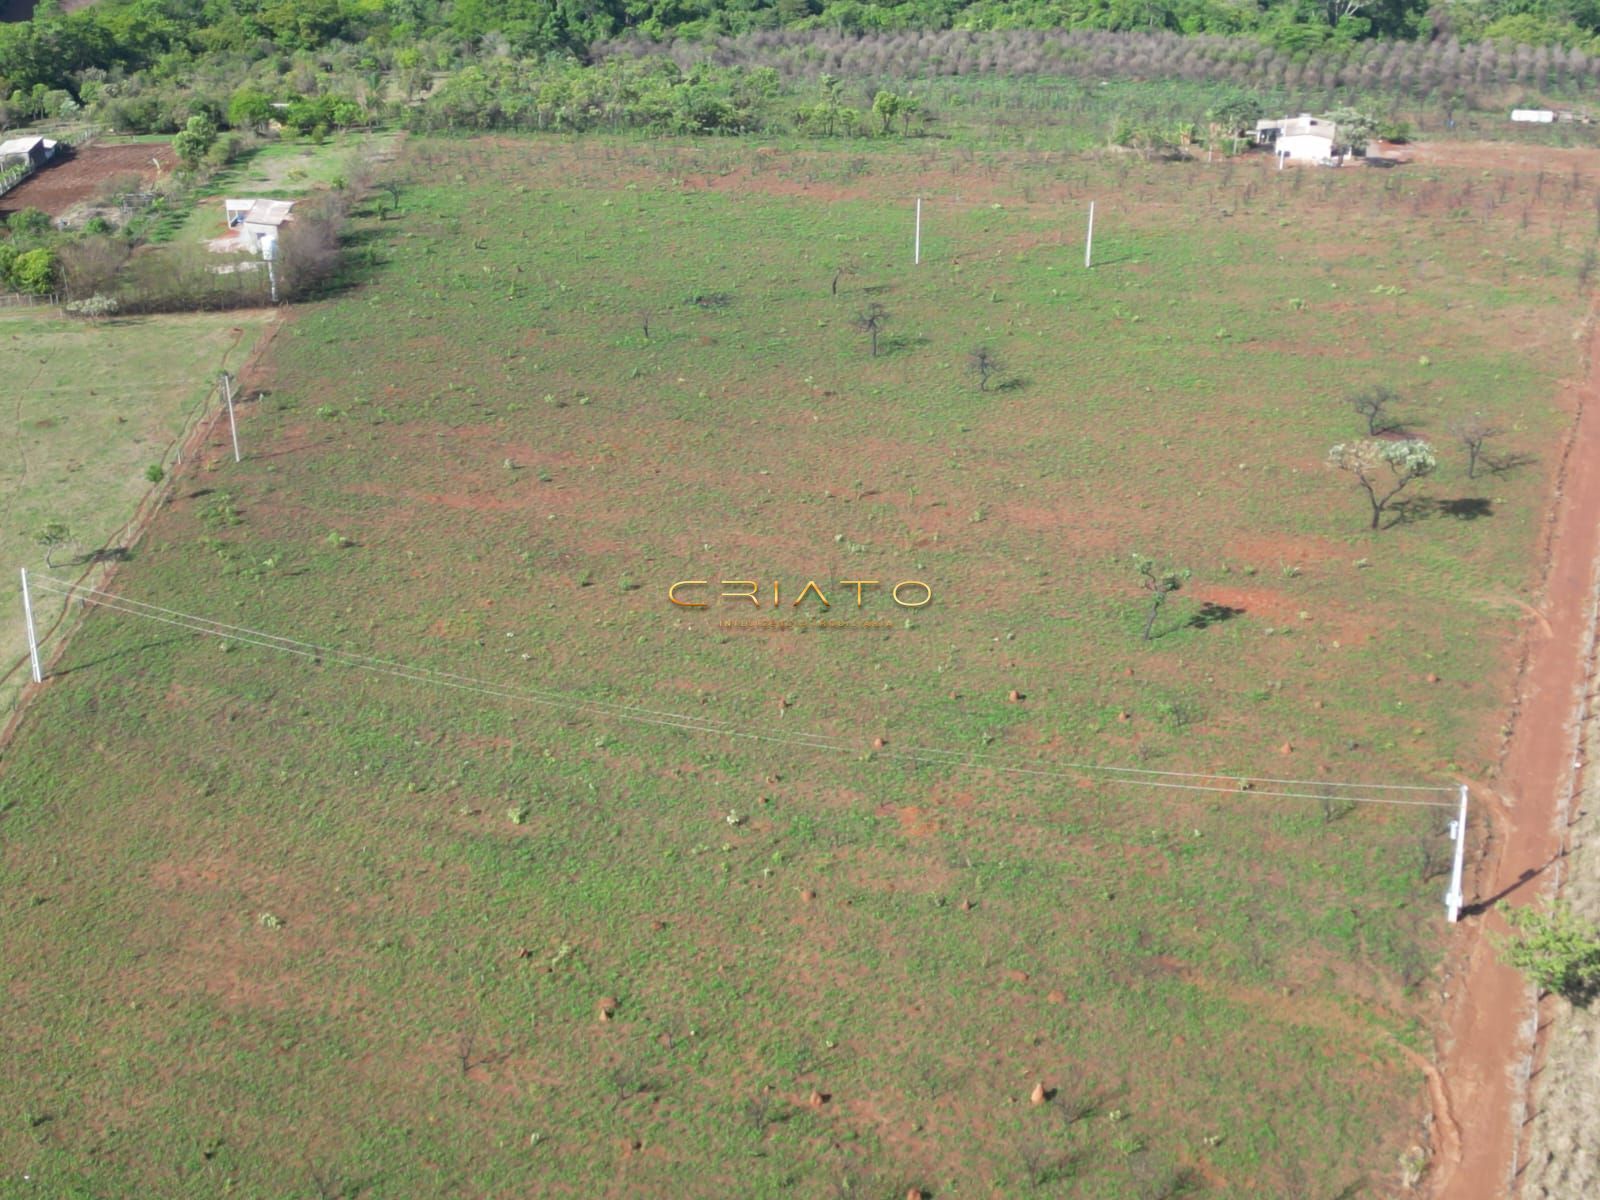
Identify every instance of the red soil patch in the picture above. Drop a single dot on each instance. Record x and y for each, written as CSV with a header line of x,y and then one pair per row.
x,y
66,182
1490,1002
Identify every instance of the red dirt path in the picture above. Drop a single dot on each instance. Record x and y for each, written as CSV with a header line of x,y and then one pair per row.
x,y
57,187
1490,1004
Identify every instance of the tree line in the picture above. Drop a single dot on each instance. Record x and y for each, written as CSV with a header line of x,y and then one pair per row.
x,y
79,54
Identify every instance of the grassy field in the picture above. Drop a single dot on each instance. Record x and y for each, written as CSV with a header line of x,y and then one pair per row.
x,y
275,926
90,409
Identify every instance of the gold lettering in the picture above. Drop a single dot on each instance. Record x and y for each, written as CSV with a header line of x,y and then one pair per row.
x,y
811,586
672,592
750,595
858,584
927,593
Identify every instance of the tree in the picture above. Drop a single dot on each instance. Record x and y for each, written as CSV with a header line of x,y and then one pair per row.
x,y
1472,432
885,107
1383,469
1159,583
192,142
1373,405
1235,116
34,271
871,320
249,109
983,362
51,538
1556,949
1355,127
155,473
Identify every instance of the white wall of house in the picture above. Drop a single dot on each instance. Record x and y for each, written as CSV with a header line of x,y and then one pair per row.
x,y
1304,147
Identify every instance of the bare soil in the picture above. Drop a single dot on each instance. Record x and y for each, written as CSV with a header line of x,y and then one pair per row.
x,y
1562,1157
1490,1007
58,187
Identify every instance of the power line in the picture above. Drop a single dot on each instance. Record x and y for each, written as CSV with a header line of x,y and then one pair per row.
x,y
1189,781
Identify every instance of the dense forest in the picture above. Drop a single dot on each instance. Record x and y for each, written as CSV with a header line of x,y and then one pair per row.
x,y
78,50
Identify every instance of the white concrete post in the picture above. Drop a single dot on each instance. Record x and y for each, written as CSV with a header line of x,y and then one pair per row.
x,y
1088,241
916,248
1458,831
227,396
33,639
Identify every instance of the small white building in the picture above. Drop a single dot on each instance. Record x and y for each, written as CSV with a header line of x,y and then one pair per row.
x,y
1533,116
257,220
37,150
1302,139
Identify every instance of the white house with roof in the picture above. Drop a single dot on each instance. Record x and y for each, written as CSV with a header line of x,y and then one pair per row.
x,y
257,220
36,150
1302,139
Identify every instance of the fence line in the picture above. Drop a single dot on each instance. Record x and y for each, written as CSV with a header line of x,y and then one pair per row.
x,y
577,705
27,299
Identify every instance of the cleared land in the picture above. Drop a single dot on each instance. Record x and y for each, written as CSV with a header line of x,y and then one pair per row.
x,y
89,409
288,926
61,185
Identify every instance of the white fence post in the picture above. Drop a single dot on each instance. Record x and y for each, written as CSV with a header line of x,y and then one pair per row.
x,y
1458,831
227,396
33,640
916,249
1088,241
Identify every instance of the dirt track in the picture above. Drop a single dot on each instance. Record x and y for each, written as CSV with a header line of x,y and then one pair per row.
x,y
1491,1013
56,188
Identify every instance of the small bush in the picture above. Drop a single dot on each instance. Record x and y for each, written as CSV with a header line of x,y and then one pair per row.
x,y
1556,949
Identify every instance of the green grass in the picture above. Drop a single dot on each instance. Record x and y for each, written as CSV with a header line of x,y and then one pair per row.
x,y
93,407
1216,982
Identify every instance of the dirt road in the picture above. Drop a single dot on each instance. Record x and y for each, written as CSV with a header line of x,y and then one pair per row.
x,y
1491,1016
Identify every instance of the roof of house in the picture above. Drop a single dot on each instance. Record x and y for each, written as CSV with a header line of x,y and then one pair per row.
x,y
22,145
1305,125
269,212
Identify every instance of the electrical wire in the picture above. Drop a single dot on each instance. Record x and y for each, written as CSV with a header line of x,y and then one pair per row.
x,y
1188,781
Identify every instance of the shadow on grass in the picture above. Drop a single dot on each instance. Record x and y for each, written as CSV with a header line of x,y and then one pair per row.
x,y
1500,464
125,652
1463,508
106,554
895,343
1212,614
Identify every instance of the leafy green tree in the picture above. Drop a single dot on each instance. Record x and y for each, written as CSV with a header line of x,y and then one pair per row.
x,y
1356,128
1383,469
885,107
1556,949
194,140
249,109
34,271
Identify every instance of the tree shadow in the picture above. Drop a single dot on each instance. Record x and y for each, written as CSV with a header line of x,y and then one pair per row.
x,y
1010,383
1421,508
894,343
1212,614
1478,907
106,554
1499,464
125,652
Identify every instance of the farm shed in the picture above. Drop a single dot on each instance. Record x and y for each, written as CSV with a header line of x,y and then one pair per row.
x,y
1301,139
1533,116
257,219
37,150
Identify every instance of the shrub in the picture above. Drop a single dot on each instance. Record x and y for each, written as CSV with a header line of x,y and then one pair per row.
x,y
34,271
1556,949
